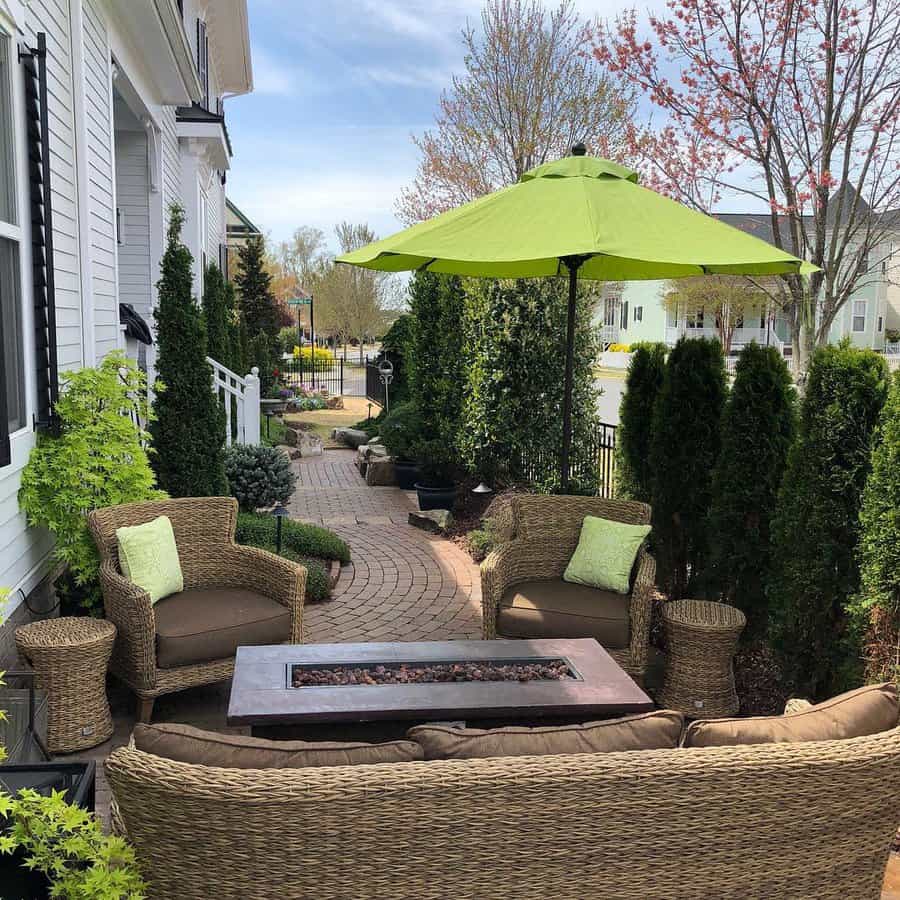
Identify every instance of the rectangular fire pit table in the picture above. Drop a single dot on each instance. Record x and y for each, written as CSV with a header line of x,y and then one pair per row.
x,y
262,695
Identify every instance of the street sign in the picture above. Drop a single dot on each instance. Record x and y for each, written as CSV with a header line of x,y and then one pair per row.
x,y
300,301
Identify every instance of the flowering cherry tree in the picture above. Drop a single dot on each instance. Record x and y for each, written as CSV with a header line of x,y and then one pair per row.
x,y
793,103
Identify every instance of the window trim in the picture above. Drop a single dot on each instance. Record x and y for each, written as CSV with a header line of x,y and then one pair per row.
x,y
854,315
16,233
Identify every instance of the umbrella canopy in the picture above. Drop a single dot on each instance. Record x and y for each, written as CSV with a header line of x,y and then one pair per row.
x,y
580,216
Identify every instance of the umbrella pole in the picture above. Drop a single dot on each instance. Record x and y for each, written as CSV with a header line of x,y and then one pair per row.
x,y
573,264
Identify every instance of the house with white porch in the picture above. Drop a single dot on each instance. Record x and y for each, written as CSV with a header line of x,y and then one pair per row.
x,y
637,311
110,111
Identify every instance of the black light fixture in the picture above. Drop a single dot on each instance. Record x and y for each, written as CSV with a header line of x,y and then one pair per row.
x,y
280,512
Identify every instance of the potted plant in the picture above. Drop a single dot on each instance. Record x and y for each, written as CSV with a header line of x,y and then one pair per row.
x,y
400,432
435,488
276,400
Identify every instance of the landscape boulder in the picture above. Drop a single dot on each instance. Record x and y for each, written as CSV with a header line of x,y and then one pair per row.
x,y
380,472
310,444
335,401
437,521
352,437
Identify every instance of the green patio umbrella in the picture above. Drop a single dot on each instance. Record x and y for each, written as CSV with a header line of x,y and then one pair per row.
x,y
584,216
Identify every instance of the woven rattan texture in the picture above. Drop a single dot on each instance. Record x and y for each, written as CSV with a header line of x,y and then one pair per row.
x,y
204,533
70,656
702,638
547,529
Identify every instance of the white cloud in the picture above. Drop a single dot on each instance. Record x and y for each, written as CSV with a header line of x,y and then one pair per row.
x,y
405,76
271,76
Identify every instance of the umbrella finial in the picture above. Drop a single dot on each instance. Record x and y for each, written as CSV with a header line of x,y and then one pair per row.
x,y
579,149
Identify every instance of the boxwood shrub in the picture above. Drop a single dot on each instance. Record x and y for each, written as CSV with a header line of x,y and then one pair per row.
x,y
301,538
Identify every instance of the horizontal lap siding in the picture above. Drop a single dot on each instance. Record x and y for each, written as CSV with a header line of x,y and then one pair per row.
x,y
132,198
100,180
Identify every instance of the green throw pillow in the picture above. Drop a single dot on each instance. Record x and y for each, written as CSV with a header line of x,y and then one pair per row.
x,y
148,557
605,554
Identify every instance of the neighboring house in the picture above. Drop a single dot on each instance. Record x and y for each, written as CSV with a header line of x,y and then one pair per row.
x,y
133,123
636,311
238,230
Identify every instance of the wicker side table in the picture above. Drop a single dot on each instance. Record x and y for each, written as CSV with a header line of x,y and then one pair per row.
x,y
69,656
702,639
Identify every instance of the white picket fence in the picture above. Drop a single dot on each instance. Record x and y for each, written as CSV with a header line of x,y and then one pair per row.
x,y
245,391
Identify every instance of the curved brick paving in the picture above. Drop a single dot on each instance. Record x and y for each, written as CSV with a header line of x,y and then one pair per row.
x,y
404,584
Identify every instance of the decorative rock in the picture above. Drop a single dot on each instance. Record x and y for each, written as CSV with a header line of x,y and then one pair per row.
x,y
290,452
437,521
380,472
352,437
373,441
310,444
334,402
374,450
292,436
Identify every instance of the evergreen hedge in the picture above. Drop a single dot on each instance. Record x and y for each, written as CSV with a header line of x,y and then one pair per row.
x,y
215,316
816,526
757,431
876,608
259,310
516,342
684,448
188,431
642,385
436,369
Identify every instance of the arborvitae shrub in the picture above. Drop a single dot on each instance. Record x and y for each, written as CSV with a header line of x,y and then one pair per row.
x,y
876,609
189,428
757,431
684,448
816,526
215,316
642,385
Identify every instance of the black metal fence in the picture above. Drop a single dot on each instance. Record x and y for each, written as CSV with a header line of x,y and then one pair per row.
x,y
374,384
592,463
338,376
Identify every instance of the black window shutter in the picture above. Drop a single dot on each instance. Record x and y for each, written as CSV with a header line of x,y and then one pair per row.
x,y
34,62
5,449
625,315
203,60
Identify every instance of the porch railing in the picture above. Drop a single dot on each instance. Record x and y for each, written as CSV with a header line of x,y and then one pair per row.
x,y
240,398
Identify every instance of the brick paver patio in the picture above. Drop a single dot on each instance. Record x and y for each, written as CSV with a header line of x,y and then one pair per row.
x,y
404,584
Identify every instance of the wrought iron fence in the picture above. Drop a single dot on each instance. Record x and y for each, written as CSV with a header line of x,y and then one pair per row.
x,y
374,385
337,376
592,466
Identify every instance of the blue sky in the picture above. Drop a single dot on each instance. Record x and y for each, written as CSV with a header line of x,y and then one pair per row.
x,y
340,85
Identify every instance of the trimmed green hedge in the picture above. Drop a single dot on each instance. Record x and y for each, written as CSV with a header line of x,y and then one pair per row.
x,y
258,529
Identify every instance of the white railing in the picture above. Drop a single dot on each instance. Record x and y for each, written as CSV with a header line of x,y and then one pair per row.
x,y
609,334
892,355
245,391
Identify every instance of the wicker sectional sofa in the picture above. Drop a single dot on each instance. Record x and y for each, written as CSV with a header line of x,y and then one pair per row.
x,y
775,820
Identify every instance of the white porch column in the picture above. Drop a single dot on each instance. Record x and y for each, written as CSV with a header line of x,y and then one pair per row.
x,y
191,237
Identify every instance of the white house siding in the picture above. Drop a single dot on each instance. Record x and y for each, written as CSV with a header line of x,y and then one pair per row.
x,y
171,159
52,17
133,201
101,187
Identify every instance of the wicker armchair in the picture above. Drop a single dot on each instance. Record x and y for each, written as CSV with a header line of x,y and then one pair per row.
x,y
547,529
210,560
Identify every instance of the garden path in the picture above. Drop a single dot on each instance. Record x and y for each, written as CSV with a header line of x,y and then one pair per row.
x,y
403,584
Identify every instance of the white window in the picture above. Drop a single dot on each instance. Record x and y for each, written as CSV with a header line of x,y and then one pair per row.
x,y
859,315
11,337
694,319
203,61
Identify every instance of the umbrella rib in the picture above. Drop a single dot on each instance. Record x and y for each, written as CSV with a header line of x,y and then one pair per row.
x,y
425,265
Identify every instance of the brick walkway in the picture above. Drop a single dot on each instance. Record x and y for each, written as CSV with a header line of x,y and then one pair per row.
x,y
403,584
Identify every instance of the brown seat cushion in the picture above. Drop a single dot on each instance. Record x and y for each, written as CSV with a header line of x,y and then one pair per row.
x,y
866,710
234,751
559,609
658,730
201,624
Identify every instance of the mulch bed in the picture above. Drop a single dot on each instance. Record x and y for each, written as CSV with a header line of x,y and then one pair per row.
x,y
436,673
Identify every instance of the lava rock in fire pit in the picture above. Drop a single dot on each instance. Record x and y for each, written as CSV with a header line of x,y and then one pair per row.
x,y
430,673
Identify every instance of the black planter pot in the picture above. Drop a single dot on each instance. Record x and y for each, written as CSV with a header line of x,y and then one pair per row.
x,y
406,473
440,497
77,780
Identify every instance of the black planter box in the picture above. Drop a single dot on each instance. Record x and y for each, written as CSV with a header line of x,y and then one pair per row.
x,y
436,497
78,780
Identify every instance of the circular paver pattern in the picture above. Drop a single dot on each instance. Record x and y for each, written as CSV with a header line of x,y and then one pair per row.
x,y
403,584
